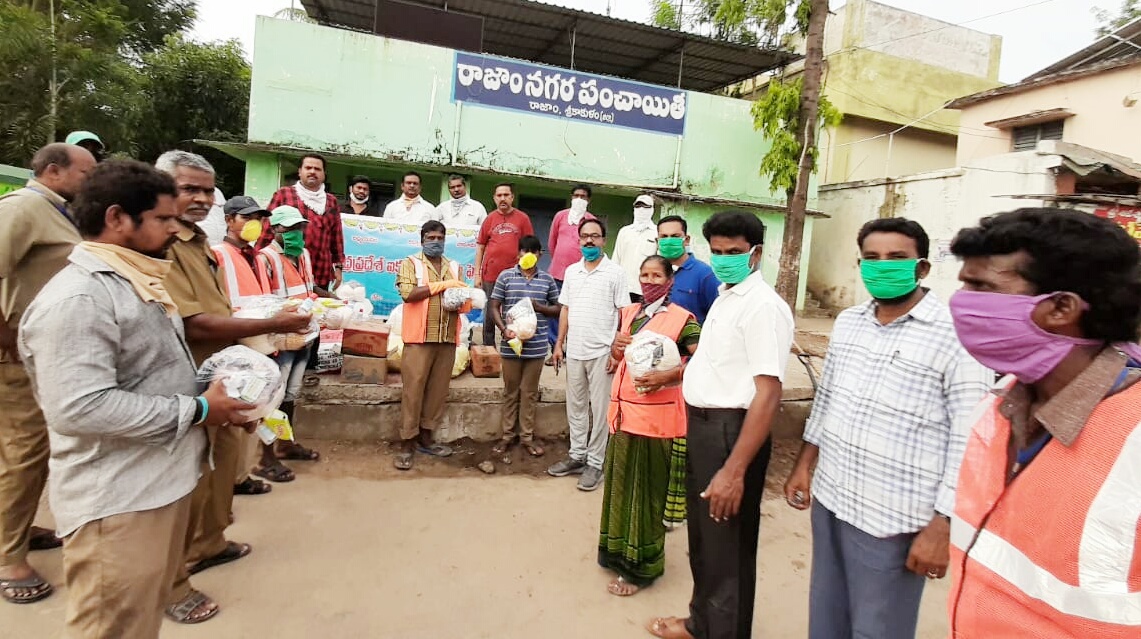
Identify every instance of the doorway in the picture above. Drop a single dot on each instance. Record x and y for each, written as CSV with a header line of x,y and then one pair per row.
x,y
542,212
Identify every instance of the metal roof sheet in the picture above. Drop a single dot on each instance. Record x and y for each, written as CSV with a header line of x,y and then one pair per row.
x,y
543,33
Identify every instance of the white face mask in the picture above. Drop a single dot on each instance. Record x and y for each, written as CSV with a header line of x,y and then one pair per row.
x,y
643,216
358,200
578,205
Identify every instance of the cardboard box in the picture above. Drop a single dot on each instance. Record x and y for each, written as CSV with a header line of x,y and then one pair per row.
x,y
367,338
485,361
364,370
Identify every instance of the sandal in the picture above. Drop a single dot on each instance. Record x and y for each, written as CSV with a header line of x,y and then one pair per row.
x,y
252,486
403,461
297,452
183,611
435,450
500,448
668,628
278,472
533,449
233,552
43,539
310,380
619,587
25,591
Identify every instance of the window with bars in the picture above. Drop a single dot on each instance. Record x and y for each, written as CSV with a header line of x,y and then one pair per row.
x,y
1026,138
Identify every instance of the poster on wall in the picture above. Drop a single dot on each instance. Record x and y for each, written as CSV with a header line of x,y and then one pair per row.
x,y
1129,217
541,90
374,249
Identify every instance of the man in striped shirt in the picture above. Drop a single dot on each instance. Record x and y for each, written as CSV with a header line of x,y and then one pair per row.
x,y
886,436
521,370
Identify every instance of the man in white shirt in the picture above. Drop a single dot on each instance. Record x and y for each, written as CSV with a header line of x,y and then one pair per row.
x,y
732,390
410,207
593,292
636,242
461,210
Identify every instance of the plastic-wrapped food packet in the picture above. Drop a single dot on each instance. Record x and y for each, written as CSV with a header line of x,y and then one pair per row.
x,y
650,351
246,375
521,319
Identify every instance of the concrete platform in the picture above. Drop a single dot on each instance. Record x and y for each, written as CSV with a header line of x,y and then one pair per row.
x,y
336,410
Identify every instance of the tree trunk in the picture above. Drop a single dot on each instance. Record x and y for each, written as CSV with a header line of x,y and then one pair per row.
x,y
788,277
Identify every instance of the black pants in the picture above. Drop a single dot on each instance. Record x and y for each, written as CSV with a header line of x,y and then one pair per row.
x,y
722,556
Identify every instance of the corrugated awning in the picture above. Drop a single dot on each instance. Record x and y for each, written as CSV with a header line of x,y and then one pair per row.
x,y
585,41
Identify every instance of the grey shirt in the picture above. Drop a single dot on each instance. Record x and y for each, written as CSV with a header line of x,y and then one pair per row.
x,y
116,384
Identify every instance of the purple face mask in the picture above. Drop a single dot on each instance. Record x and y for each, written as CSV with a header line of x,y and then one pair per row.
x,y
996,329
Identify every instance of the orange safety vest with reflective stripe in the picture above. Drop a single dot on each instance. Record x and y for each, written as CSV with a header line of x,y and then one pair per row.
x,y
287,280
1056,552
660,414
241,281
415,318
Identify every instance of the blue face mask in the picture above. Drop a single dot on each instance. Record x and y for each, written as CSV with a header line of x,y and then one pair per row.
x,y
732,269
591,253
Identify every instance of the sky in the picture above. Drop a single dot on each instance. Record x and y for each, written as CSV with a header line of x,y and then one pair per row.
x,y
1035,33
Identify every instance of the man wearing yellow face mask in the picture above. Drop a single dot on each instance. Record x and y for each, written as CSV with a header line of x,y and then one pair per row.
x,y
242,276
522,367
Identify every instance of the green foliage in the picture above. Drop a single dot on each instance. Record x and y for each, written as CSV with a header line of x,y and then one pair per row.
x,y
119,74
755,22
777,115
1127,12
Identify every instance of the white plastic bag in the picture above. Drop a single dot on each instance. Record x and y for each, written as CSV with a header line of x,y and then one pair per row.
x,y
396,321
352,291
521,319
246,375
650,351
265,307
453,299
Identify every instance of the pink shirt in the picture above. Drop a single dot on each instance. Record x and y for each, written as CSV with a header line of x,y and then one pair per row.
x,y
563,243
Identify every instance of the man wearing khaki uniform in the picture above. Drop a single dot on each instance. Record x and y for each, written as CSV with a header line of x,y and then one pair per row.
x,y
38,234
205,310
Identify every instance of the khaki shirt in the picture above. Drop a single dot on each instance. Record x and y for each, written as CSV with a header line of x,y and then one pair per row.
x,y
37,239
193,284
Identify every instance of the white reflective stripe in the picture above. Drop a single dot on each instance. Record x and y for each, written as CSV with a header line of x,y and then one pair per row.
x,y
1009,563
232,288
278,269
1109,536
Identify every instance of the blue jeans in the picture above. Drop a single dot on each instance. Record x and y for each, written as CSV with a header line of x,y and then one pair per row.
x,y
292,365
553,323
861,587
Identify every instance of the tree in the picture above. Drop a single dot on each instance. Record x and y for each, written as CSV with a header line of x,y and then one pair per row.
x,y
1129,11
790,112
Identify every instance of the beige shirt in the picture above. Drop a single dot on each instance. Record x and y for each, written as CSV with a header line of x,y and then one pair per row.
x,y
37,238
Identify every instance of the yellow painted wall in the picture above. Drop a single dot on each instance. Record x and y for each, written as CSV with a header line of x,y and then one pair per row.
x,y
1102,118
862,149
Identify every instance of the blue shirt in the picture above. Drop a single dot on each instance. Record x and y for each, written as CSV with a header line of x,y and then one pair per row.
x,y
512,286
695,288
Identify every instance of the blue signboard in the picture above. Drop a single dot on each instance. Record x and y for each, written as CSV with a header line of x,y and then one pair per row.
x,y
374,249
560,93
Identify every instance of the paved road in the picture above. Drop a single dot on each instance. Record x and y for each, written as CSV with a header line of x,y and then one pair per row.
x,y
464,557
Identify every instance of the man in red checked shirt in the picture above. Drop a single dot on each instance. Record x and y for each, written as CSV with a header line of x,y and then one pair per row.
x,y
323,235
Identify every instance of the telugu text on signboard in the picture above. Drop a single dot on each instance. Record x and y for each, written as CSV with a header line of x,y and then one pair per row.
x,y
533,88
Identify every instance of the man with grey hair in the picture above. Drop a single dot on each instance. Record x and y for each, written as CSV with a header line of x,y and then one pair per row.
x,y
461,210
205,310
37,233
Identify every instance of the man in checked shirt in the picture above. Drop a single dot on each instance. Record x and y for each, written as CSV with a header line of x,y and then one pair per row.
x,y
886,436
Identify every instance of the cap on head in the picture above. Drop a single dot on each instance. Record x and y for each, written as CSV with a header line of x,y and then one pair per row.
x,y
243,205
648,200
75,137
286,216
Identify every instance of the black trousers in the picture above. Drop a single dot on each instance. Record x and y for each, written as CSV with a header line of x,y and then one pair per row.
x,y
722,556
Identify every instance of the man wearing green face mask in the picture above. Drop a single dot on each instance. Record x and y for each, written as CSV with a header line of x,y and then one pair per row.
x,y
695,286
732,390
887,431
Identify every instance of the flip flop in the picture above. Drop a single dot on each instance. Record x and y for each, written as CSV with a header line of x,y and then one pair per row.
x,y
233,552
663,627
533,449
297,452
435,450
279,473
43,539
403,461
252,486
39,588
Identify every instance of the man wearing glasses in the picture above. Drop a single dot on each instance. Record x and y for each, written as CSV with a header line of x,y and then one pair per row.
x,y
593,292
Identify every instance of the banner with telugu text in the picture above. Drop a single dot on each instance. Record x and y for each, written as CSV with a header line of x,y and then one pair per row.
x,y
375,247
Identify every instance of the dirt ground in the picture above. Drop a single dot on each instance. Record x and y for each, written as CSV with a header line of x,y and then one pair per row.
x,y
351,549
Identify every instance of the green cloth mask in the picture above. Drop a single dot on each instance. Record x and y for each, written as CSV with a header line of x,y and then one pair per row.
x,y
671,248
731,269
889,279
293,242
